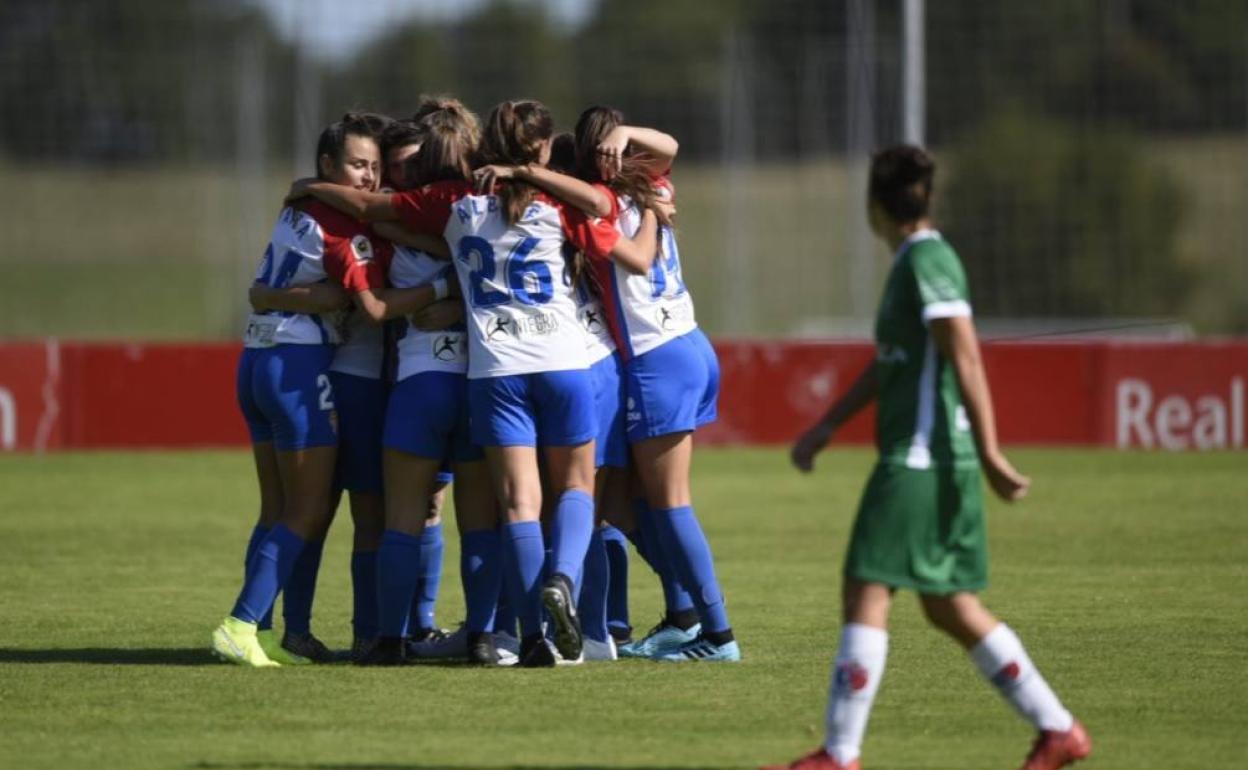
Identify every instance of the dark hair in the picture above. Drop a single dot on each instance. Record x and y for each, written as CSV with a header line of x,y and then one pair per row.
x,y
513,136
445,154
633,179
400,133
563,160
376,121
901,182
334,136
563,153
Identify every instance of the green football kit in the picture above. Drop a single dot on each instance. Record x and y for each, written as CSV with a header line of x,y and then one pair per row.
x,y
920,524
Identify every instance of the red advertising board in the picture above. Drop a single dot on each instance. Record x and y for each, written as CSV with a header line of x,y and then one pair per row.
x,y
1171,396
31,393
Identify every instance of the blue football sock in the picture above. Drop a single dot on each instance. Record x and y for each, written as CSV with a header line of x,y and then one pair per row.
x,y
398,568
616,547
525,554
591,605
364,594
269,570
690,554
480,568
675,597
301,589
571,530
258,533
426,597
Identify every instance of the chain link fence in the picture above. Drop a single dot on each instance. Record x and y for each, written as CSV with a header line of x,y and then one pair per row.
x,y
1093,154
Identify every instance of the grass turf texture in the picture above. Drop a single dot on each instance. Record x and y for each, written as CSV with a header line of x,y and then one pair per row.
x,y
1123,573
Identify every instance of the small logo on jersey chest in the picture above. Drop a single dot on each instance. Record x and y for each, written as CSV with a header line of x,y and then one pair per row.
x,y
362,249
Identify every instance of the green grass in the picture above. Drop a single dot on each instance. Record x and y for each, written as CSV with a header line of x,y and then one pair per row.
x,y
1124,574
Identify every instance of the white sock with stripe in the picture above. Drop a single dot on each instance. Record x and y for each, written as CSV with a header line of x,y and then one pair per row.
x,y
1000,657
856,675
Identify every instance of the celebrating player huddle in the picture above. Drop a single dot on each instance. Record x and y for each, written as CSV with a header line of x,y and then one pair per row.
x,y
512,316
509,326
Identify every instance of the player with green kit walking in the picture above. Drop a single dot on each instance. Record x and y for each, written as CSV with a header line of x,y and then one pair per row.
x,y
920,524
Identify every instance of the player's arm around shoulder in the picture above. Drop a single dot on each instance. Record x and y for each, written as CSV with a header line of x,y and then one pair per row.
x,y
955,338
360,204
323,297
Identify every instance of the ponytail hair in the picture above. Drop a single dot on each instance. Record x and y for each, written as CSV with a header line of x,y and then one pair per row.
x,y
445,154
513,136
333,137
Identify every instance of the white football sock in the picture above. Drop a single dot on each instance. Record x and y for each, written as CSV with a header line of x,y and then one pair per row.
x,y
1000,657
856,674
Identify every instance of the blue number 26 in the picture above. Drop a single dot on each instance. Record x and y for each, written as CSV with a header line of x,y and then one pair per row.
x,y
529,282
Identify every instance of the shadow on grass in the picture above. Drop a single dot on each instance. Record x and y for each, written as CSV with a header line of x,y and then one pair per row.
x,y
405,766
100,656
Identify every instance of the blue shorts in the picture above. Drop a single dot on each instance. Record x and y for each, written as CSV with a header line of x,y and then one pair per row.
x,y
428,417
671,389
286,396
539,409
708,405
361,417
611,448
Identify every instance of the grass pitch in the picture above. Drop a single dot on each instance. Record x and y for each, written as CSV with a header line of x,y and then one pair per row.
x,y
1123,573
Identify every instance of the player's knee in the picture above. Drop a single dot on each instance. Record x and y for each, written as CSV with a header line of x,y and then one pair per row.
x,y
955,614
940,612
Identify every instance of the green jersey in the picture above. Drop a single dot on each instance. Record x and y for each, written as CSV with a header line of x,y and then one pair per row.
x,y
921,422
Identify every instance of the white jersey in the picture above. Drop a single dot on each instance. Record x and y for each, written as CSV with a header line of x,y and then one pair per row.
x,y
522,317
422,351
647,310
310,244
593,320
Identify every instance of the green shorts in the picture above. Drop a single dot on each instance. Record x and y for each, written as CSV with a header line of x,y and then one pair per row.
x,y
921,529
